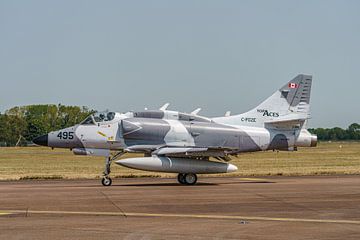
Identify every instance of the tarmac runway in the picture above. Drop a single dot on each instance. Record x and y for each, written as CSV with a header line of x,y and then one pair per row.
x,y
323,207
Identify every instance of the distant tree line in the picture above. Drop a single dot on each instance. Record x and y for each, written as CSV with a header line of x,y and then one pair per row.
x,y
336,133
19,125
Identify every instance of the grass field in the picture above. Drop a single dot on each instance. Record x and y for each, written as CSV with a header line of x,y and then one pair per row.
x,y
44,163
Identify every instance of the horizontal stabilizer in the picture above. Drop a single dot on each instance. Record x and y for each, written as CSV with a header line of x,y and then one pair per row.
x,y
288,119
288,122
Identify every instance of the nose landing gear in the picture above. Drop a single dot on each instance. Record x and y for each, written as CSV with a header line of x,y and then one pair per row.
x,y
106,180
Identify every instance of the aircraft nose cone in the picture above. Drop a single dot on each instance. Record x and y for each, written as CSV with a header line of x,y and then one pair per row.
x,y
42,140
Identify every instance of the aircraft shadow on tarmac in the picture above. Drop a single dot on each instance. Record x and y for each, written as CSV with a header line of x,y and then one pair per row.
x,y
197,184
165,184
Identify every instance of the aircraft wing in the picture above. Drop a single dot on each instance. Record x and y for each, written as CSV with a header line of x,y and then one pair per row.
x,y
143,148
179,150
187,152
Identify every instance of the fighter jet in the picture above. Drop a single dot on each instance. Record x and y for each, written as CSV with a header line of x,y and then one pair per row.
x,y
187,143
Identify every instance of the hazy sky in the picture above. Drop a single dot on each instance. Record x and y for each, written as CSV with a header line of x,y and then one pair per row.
x,y
218,55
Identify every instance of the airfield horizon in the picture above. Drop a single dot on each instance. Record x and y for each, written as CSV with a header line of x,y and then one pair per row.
x,y
329,158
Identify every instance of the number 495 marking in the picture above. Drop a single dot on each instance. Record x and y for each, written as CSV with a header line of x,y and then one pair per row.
x,y
66,135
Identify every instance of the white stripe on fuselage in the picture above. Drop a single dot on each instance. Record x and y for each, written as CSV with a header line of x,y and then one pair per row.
x,y
178,134
259,135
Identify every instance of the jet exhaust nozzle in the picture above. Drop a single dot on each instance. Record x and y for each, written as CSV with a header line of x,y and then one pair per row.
x,y
314,140
306,139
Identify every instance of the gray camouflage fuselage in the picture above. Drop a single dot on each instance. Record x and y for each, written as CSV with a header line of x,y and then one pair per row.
x,y
126,132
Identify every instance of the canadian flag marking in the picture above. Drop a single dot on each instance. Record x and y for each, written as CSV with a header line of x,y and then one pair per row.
x,y
293,85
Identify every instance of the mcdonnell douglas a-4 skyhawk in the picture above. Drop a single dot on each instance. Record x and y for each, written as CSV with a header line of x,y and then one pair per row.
x,y
184,143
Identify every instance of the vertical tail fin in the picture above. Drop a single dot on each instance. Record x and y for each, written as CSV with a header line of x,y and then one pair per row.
x,y
290,103
297,93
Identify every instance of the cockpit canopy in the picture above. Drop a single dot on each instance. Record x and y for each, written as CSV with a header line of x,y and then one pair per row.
x,y
99,117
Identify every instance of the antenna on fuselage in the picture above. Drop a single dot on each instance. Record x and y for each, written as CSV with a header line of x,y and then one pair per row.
x,y
164,107
196,111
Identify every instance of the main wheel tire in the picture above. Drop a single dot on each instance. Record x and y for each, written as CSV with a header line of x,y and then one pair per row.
x,y
106,181
190,178
181,178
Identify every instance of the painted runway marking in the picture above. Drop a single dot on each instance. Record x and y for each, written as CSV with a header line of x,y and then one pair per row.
x,y
224,217
254,179
5,213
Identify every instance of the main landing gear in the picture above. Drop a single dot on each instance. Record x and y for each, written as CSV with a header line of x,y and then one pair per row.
x,y
187,178
106,180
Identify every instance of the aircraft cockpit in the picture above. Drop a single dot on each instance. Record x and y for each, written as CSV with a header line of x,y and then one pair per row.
x,y
99,117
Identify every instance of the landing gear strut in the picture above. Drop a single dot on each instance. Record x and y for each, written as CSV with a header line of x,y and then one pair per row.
x,y
106,180
187,178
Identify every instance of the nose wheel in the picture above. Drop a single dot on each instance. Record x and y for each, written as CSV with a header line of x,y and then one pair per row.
x,y
187,178
106,180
